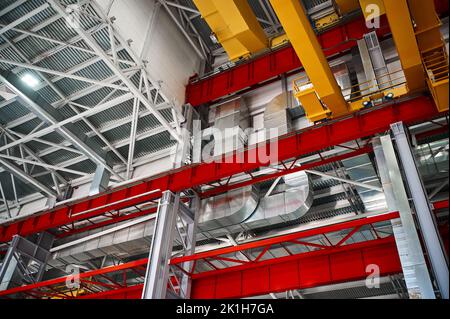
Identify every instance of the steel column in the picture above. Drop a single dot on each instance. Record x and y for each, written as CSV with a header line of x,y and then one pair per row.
x,y
157,275
429,231
413,263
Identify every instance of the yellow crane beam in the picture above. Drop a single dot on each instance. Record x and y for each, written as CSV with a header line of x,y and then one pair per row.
x,y
399,18
235,26
304,41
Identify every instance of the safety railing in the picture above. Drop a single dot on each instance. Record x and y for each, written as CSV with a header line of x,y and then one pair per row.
x,y
361,90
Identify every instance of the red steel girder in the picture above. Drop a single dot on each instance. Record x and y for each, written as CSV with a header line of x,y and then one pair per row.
x,y
86,276
111,221
359,125
313,269
292,272
443,204
289,237
333,264
268,177
438,131
277,62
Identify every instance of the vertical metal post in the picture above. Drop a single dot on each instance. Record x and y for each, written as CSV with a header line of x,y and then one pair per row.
x,y
425,217
157,275
9,266
415,270
191,233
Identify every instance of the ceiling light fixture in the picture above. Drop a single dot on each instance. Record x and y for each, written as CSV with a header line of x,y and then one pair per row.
x,y
30,80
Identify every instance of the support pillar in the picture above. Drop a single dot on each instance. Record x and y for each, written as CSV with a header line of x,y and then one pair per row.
x,y
190,243
173,217
425,216
415,270
157,275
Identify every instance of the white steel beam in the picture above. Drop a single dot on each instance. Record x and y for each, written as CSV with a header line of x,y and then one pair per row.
x,y
52,167
347,181
132,88
24,18
51,116
27,178
63,74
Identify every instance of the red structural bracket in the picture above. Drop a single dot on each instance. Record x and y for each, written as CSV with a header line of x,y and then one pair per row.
x,y
325,264
277,62
359,125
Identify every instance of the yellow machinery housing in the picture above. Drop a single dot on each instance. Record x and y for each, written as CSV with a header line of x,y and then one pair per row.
x,y
235,26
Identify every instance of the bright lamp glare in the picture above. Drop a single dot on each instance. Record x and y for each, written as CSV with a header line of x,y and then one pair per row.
x,y
30,80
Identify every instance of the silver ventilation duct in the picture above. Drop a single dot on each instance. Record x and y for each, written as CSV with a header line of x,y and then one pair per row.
x,y
288,201
276,115
225,210
231,119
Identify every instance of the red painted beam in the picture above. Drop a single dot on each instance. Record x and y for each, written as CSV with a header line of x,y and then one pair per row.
x,y
111,221
307,270
335,41
443,204
288,238
438,131
359,125
379,251
268,177
62,280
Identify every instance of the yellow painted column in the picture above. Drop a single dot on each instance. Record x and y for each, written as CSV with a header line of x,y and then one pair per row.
x,y
399,19
304,40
